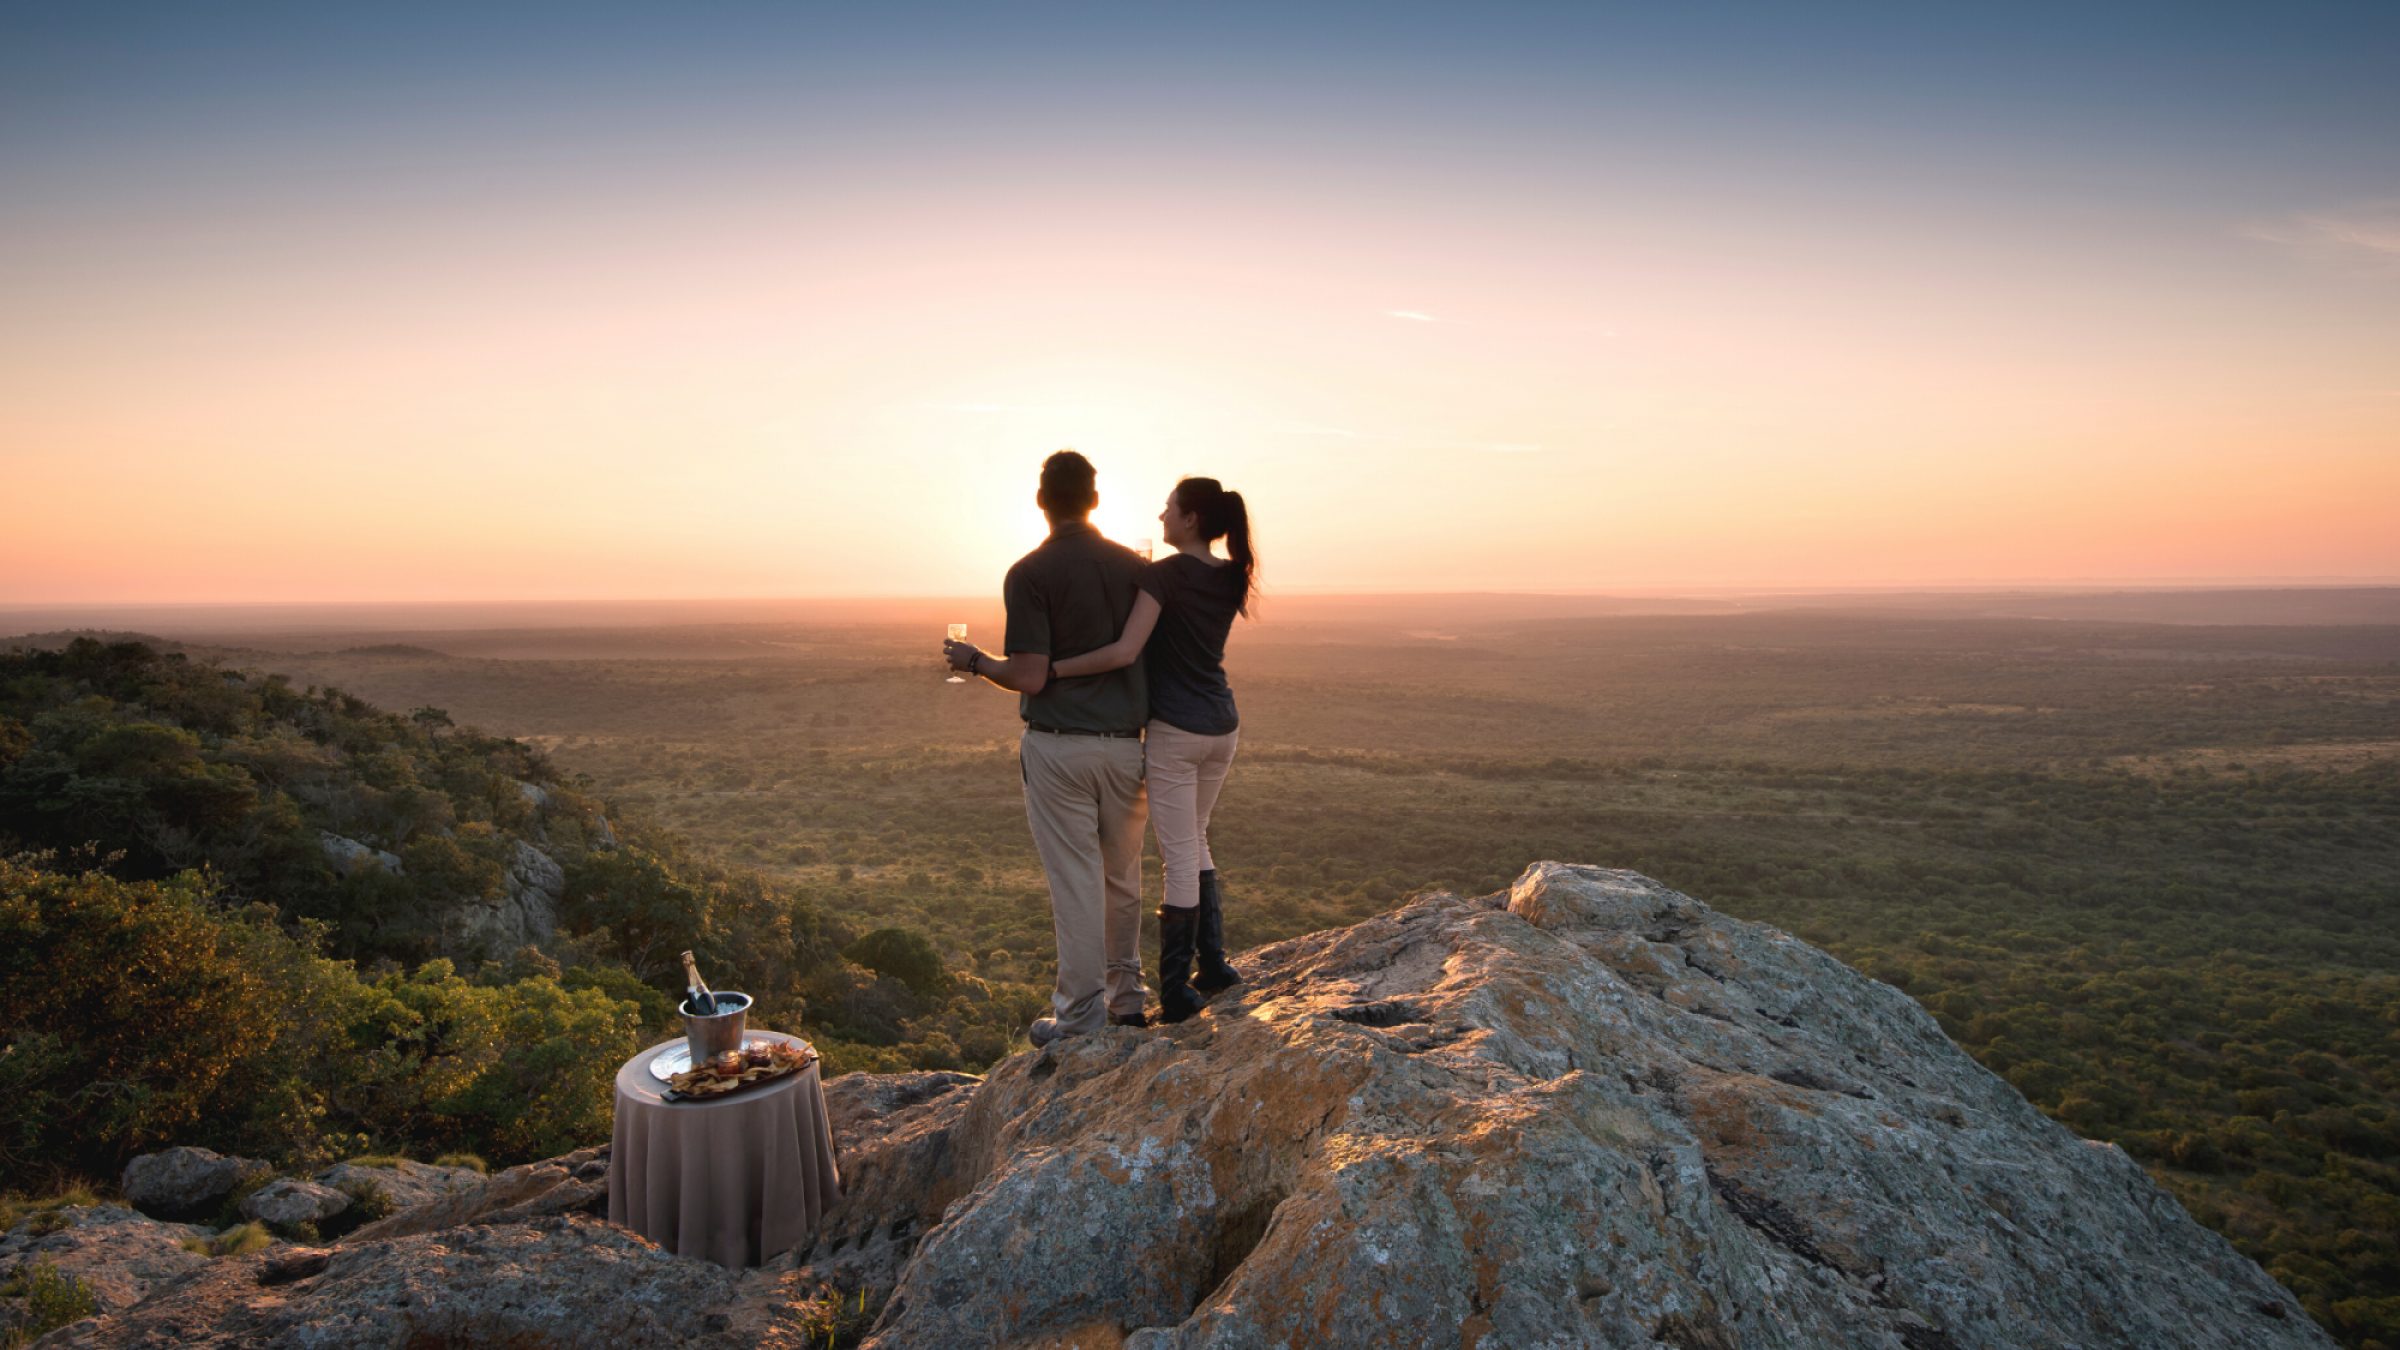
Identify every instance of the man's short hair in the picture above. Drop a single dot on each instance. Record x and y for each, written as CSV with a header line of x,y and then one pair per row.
x,y
1069,486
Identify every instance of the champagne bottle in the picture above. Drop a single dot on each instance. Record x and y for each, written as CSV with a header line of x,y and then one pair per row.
x,y
704,1003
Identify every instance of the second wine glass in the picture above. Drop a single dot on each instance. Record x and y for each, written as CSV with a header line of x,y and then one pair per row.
x,y
958,633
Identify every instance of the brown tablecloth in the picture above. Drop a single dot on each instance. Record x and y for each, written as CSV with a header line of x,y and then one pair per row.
x,y
733,1181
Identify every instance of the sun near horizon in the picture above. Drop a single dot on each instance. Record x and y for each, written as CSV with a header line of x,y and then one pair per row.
x,y
343,306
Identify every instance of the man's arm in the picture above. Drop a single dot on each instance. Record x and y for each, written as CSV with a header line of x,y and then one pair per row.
x,y
1027,667
1123,652
1020,672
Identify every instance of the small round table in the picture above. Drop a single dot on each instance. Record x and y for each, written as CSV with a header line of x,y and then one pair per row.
x,y
734,1181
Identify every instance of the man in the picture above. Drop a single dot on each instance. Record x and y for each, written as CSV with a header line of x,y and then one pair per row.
x,y
1081,751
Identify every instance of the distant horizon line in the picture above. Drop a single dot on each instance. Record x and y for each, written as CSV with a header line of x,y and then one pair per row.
x,y
2086,585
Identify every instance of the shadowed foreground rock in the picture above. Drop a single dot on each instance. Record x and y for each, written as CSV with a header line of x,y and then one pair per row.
x,y
1590,1111
123,1256
562,1281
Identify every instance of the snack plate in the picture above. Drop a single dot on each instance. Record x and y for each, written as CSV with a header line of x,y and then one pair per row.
x,y
671,1061
677,1058
700,1085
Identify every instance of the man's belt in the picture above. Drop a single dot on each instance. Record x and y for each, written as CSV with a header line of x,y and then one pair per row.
x,y
1134,735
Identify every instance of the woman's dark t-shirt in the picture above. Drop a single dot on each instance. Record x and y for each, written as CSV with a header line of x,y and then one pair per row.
x,y
1185,656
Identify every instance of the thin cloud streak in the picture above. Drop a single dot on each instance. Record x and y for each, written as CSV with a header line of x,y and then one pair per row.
x,y
2365,236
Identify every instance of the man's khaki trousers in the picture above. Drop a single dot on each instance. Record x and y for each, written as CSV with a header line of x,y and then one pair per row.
x,y
1086,801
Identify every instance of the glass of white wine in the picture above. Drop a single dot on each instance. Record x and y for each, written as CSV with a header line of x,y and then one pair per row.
x,y
958,633
1142,546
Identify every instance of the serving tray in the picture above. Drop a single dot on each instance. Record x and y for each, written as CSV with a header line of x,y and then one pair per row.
x,y
673,1067
677,1058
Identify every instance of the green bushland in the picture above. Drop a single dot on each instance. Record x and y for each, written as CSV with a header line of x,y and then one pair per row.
x,y
164,896
241,1035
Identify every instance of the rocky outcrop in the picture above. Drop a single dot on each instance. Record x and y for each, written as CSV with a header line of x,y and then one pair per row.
x,y
526,912
348,855
122,1255
565,1282
892,1134
288,1202
1586,1112
576,1183
1589,1111
182,1183
403,1183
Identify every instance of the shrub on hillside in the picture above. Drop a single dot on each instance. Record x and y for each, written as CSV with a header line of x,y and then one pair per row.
x,y
194,1023
128,1006
904,954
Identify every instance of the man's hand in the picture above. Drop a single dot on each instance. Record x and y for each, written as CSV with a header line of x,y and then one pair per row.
x,y
1025,673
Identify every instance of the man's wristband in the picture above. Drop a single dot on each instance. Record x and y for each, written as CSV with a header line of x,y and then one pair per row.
x,y
975,664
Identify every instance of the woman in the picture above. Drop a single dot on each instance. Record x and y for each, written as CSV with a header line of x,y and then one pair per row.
x,y
1178,628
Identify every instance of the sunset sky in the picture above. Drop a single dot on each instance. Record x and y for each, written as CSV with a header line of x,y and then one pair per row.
x,y
383,302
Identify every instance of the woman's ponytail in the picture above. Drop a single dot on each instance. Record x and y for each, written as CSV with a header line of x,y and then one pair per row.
x,y
1237,543
1223,516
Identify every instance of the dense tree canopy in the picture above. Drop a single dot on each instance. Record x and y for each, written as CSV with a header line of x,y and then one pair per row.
x,y
188,960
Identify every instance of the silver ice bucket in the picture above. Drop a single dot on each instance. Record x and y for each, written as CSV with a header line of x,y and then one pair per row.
x,y
710,1037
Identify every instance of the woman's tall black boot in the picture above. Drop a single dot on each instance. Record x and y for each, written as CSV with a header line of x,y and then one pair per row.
x,y
1178,929
1216,975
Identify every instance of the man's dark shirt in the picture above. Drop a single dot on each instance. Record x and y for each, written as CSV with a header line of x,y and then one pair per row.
x,y
1068,597
1186,653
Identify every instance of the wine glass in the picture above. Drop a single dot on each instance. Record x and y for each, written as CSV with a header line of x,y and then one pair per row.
x,y
958,633
1142,546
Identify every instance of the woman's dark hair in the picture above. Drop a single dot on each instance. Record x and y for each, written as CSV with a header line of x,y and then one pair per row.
x,y
1222,516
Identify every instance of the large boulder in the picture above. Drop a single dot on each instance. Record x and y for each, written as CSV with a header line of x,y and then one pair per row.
x,y
1589,1111
288,1202
182,1183
403,1183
